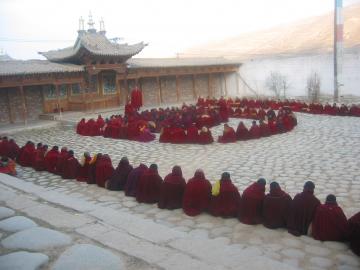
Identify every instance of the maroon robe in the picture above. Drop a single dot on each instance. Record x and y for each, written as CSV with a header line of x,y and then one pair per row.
x,y
228,136
227,202
192,134
81,127
13,150
133,180
50,160
63,156
4,148
242,133
104,170
91,179
197,195
330,223
39,162
354,233
275,209
70,168
254,132
205,137
27,155
118,180
172,190
83,170
302,212
148,190
250,211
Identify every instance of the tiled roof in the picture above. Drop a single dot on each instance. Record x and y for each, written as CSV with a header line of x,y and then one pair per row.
x,y
97,44
19,67
179,62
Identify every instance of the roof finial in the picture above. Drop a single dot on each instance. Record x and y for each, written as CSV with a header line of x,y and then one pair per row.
x,y
102,27
91,24
81,24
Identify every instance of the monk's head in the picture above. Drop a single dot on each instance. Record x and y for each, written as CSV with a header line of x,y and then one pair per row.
x,y
199,173
124,160
176,171
309,186
86,154
4,138
71,153
261,181
225,176
154,167
331,199
64,149
45,147
39,145
274,186
253,123
55,148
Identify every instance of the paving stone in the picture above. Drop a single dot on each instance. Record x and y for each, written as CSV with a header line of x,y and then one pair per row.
x,y
37,238
6,212
85,256
23,260
293,253
321,262
16,223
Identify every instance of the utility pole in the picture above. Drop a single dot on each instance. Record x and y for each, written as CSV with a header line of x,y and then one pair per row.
x,y
338,48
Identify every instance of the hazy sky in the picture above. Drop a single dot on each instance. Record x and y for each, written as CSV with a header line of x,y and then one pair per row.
x,y
169,26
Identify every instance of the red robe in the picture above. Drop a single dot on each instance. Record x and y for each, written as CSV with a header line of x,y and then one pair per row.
x,y
227,203
205,137
104,171
275,209
242,133
228,136
39,162
50,160
250,211
254,132
27,155
192,134
178,135
81,127
4,148
70,168
13,150
148,190
197,195
354,233
63,156
118,180
133,180
302,212
330,223
83,171
172,190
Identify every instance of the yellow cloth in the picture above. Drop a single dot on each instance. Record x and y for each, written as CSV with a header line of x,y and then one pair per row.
x,y
93,159
216,188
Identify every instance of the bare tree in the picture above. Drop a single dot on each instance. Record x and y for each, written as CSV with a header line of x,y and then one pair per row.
x,y
313,87
278,84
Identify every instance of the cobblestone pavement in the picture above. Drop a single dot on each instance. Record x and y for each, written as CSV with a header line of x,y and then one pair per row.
x,y
323,149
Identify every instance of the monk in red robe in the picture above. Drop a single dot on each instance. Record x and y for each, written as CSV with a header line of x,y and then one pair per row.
x,y
178,135
225,199
250,211
81,127
254,131
228,136
330,222
4,145
91,179
197,194
51,158
100,121
264,129
63,156
192,134
7,166
13,150
70,167
172,190
302,210
276,207
148,190
133,180
104,170
118,180
27,154
205,136
354,233
242,133
39,163
83,170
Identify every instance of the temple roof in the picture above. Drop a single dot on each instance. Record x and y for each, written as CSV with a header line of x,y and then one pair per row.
x,y
19,67
179,62
95,44
5,57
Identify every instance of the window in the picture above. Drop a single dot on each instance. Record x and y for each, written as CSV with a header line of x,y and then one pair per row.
x,y
93,84
50,91
109,85
63,91
75,89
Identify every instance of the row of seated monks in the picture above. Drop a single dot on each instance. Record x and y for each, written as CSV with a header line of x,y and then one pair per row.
x,y
304,214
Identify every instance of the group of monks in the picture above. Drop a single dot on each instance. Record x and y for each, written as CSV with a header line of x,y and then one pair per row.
x,y
304,214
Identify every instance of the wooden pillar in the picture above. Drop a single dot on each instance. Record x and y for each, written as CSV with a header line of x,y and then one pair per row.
x,y
23,101
177,88
83,89
118,90
194,86
141,90
11,119
224,78
159,95
126,90
58,99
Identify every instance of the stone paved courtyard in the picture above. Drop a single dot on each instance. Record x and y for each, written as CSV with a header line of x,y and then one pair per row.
x,y
323,149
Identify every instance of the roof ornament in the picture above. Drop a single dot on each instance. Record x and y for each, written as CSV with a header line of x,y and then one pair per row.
x,y
91,24
81,26
102,27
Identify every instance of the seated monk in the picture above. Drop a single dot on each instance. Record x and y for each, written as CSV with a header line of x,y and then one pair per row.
x,y
90,128
192,134
104,170
100,121
7,166
83,170
330,222
250,211
228,136
165,135
118,180
4,147
27,154
272,124
91,179
242,133
205,136
178,135
39,163
354,233
302,210
172,190
225,199
254,131
276,207
197,194
13,150
133,180
63,156
51,159
264,129
145,135
81,127
148,189
70,167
